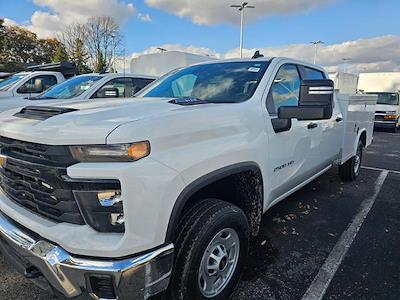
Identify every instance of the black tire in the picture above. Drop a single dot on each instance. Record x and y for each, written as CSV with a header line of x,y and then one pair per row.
x,y
394,129
198,227
349,170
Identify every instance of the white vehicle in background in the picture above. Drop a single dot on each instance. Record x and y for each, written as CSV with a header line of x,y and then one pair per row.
x,y
387,87
127,198
25,84
84,87
158,64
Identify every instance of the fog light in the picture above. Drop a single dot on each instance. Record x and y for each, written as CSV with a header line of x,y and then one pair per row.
x,y
117,219
102,209
109,198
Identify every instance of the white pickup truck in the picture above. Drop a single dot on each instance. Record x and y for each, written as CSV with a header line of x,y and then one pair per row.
x,y
117,199
25,84
84,87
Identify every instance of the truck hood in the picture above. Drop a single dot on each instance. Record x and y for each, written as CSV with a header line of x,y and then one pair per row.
x,y
5,94
90,123
386,107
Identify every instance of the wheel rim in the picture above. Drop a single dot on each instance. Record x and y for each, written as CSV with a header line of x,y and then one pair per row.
x,y
357,161
219,262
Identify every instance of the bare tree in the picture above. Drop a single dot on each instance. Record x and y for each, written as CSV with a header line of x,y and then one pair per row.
x,y
100,36
103,36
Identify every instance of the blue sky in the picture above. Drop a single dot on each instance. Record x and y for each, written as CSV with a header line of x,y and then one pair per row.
x,y
333,22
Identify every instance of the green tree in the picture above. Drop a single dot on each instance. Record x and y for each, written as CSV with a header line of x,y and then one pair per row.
x,y
47,50
2,30
19,45
101,63
60,54
79,56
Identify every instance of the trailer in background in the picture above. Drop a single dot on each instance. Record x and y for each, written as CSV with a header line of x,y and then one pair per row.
x,y
158,64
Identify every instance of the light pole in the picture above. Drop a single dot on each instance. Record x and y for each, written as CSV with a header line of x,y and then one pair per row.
x,y
241,8
316,43
346,61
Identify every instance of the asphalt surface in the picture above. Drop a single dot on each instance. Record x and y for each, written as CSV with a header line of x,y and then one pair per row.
x,y
300,235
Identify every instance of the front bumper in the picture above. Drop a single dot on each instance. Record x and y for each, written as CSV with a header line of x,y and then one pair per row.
x,y
385,124
52,268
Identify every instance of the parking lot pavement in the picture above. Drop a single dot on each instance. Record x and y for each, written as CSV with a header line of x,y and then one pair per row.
x,y
298,236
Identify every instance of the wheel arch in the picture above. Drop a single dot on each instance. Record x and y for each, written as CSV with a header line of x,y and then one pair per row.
x,y
206,180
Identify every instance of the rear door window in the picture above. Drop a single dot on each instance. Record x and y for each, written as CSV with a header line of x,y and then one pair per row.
x,y
313,74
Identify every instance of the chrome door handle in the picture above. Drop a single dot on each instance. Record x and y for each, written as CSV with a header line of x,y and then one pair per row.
x,y
312,125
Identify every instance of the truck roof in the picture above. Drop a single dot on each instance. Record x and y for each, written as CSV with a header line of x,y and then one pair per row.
x,y
264,59
111,75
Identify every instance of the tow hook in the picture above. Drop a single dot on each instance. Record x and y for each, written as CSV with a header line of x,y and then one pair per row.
x,y
32,273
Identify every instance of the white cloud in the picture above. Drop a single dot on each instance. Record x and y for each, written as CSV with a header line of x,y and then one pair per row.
x,y
60,13
373,54
367,55
144,17
9,22
218,11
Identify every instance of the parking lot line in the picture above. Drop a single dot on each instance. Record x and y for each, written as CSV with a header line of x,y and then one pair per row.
x,y
318,287
379,169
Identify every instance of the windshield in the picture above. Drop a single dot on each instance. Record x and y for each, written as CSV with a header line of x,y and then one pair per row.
x,y
387,98
215,82
9,81
70,88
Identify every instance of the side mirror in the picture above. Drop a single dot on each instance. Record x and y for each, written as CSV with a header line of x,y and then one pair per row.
x,y
281,125
315,103
109,93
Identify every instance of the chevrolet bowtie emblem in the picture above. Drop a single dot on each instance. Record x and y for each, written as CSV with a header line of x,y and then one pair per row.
x,y
3,160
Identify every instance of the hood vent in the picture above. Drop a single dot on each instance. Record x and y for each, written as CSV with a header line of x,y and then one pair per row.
x,y
42,112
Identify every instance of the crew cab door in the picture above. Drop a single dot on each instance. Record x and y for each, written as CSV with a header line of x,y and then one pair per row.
x,y
329,132
290,152
296,129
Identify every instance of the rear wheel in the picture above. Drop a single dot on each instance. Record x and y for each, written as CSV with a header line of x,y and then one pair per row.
x,y
395,128
211,248
350,170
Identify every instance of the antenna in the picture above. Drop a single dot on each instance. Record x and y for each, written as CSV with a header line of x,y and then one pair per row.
x,y
257,54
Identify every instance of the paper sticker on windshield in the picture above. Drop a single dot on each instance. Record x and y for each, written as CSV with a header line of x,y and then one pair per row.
x,y
253,69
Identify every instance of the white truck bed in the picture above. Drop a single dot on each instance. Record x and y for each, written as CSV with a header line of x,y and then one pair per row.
x,y
358,112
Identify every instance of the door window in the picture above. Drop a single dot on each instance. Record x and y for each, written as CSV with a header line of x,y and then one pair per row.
x,y
313,74
123,85
37,84
285,90
140,83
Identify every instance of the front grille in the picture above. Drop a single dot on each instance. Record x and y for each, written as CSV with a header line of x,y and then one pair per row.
x,y
35,178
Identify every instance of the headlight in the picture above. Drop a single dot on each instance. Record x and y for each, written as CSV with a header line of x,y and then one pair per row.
x,y
111,153
391,112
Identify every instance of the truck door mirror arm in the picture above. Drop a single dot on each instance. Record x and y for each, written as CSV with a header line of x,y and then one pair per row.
x,y
281,125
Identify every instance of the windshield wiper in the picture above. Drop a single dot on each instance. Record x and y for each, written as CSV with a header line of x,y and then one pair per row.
x,y
40,98
195,101
188,101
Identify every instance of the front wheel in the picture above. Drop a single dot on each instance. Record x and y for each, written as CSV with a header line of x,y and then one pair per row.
x,y
211,248
394,130
350,170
